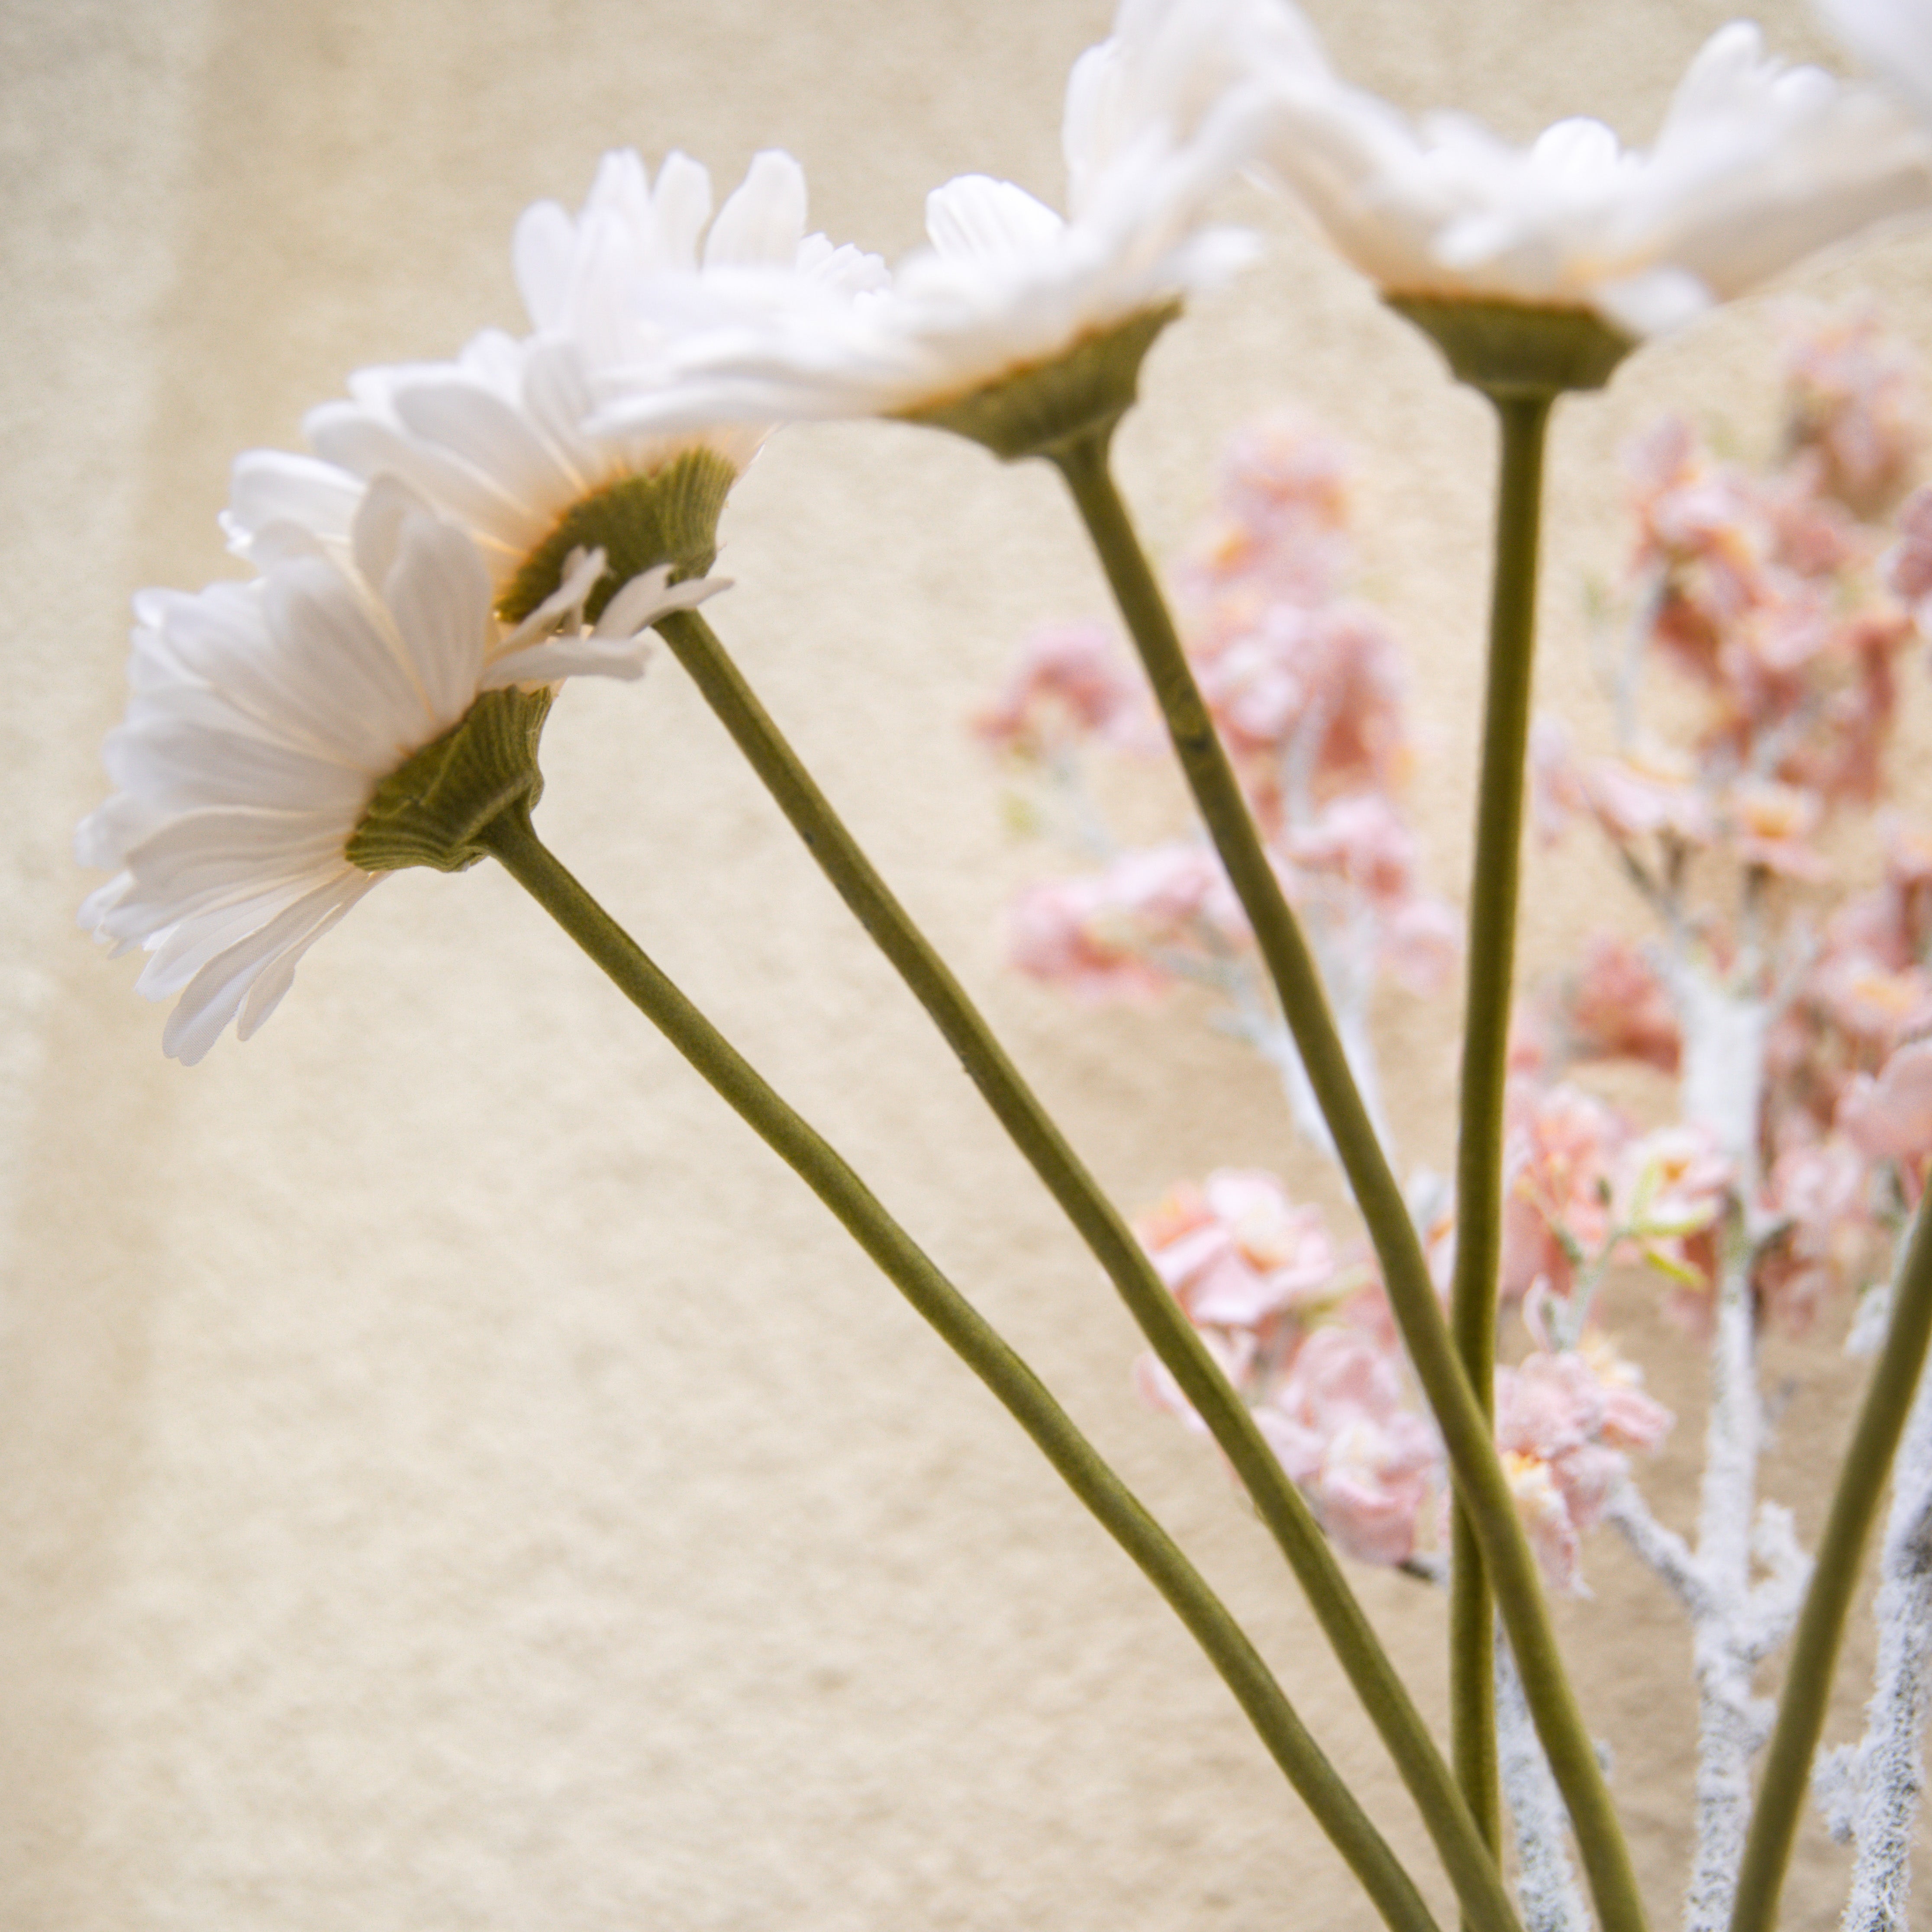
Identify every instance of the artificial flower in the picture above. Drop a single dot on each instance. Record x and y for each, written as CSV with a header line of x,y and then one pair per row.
x,y
495,440
1341,1427
1757,165
1236,1249
1120,933
1158,117
265,715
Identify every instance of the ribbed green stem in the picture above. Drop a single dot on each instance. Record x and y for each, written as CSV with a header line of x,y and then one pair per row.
x,y
1834,1579
1485,1019
1480,1483
513,839
1472,1870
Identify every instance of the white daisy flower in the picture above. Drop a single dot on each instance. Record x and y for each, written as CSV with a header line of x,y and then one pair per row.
x,y
495,439
1757,165
1893,38
264,717
1158,118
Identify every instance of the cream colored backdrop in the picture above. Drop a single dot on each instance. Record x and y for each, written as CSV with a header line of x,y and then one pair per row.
x,y
451,1477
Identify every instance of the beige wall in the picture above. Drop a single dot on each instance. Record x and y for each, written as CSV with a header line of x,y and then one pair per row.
x,y
449,1476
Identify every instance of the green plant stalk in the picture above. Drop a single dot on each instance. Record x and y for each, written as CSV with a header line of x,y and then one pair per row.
x,y
1481,1486
512,838
1472,1869
1834,1578
1490,961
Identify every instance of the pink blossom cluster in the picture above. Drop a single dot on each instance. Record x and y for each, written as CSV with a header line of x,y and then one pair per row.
x,y
1565,1423
1301,1327
1305,687
1072,682
1773,592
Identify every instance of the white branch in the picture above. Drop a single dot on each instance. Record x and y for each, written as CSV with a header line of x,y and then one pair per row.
x,y
1875,1787
1733,1721
1547,1887
1661,1551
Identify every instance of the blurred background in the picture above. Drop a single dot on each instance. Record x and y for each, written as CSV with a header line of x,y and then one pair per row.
x,y
452,1476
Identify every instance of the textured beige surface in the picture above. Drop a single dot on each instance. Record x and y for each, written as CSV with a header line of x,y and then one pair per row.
x,y
449,1476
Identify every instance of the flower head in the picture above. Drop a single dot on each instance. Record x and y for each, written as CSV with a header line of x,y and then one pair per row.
x,y
1236,1249
1757,165
267,716
1158,117
495,440
1343,1431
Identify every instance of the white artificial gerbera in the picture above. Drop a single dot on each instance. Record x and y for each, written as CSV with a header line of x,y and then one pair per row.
x,y
1158,118
495,439
1893,38
264,715
1757,165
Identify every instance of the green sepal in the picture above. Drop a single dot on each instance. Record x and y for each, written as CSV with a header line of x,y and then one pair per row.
x,y
431,810
1511,349
1037,410
668,517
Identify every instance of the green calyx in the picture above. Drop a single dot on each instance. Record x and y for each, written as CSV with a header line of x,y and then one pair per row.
x,y
433,809
1510,349
668,517
1039,410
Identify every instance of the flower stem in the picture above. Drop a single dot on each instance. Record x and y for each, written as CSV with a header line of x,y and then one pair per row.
x,y
1807,1685
1523,420
1481,1486
514,840
1472,1870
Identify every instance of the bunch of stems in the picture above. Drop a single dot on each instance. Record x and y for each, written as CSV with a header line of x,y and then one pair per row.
x,y
1493,1577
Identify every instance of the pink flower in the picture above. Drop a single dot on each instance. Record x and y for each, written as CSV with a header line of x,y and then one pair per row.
x,y
1564,1422
1365,1461
1422,941
1234,1350
1323,684
1635,798
1071,680
1768,824
1875,1003
1359,840
1236,1250
1853,402
1890,1118
1673,1188
1618,1009
1103,934
1559,1159
1908,565
1282,520
1815,1197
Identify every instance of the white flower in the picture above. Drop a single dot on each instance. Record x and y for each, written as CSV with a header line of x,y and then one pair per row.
x,y
1757,165
1893,38
495,439
1158,118
263,716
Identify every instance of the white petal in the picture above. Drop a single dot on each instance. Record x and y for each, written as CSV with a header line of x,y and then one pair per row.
x,y
764,220
642,600
977,218
216,994
438,593
680,206
484,432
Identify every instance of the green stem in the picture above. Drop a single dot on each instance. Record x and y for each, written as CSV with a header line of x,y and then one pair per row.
x,y
1472,1869
1481,1486
1814,1652
514,840
1485,1017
